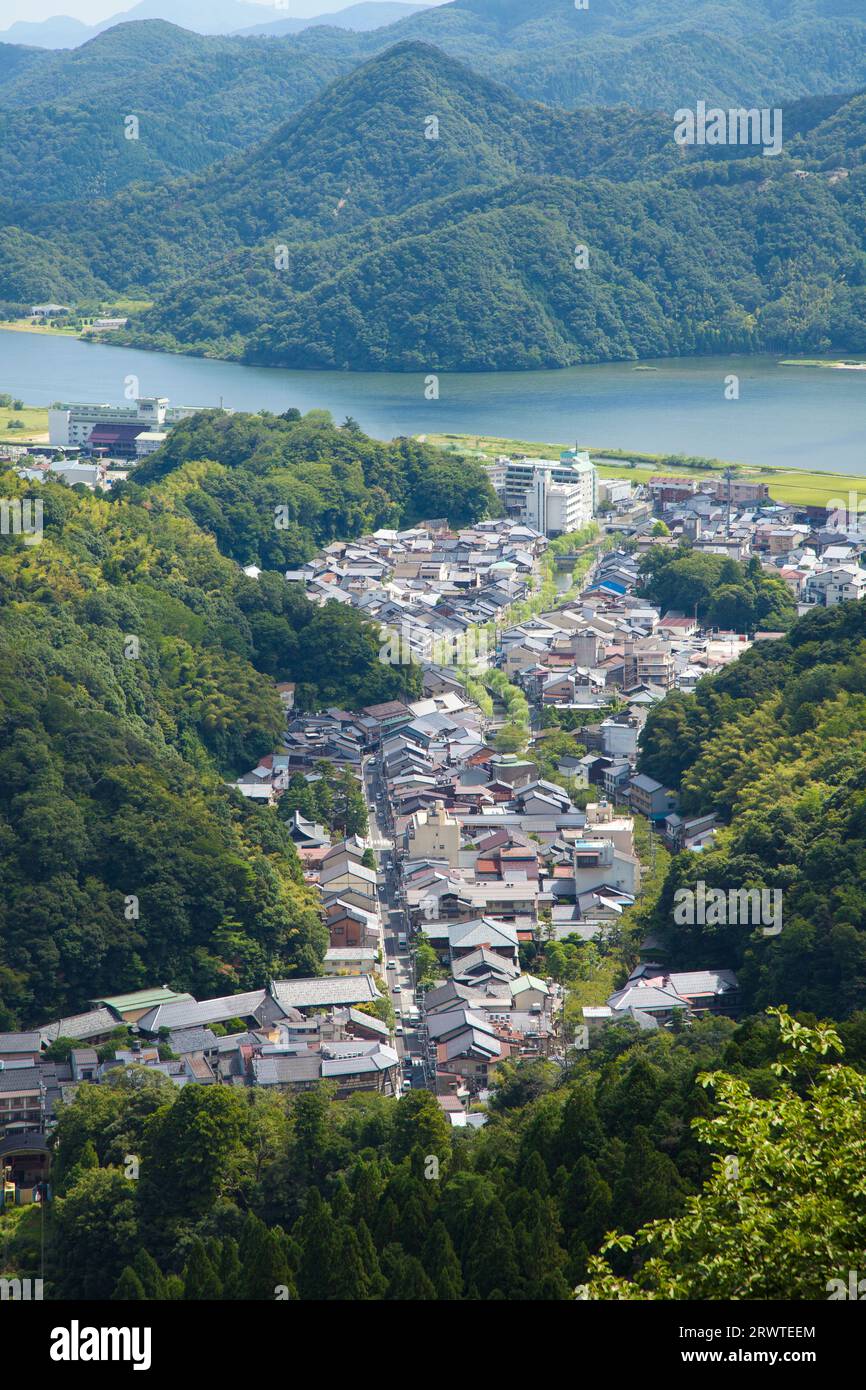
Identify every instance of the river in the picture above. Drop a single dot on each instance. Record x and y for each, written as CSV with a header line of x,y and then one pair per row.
x,y
794,417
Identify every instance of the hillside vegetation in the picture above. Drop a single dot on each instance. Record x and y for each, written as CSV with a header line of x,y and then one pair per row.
x,y
137,669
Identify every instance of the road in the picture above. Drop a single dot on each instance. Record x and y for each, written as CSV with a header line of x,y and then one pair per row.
x,y
394,918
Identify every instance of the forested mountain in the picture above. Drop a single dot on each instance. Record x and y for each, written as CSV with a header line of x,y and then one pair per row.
x,y
349,239
775,744
201,97
137,668
197,99
653,53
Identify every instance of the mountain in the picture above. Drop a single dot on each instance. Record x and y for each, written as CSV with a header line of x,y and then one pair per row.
x,y
369,14
653,53
62,133
62,31
404,253
201,16
197,99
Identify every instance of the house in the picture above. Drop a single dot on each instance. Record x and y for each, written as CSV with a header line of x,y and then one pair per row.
x,y
129,1008
600,864
497,936
20,1048
650,798
349,960
350,926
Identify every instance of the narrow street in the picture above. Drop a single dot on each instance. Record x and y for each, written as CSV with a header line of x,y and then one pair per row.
x,y
397,961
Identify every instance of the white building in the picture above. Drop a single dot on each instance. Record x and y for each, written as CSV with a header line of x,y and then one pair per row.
x,y
148,442
839,584
112,427
434,835
552,497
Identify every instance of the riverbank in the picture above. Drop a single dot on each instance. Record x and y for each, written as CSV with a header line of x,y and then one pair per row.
x,y
812,487
845,364
42,329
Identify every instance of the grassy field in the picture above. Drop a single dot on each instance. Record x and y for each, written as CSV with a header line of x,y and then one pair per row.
x,y
28,326
808,488
34,423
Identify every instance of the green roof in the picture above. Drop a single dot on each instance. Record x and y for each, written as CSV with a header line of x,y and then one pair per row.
x,y
144,999
528,982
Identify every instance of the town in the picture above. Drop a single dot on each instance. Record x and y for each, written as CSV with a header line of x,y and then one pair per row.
x,y
501,811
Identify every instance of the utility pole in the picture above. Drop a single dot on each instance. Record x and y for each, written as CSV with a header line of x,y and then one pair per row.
x,y
729,473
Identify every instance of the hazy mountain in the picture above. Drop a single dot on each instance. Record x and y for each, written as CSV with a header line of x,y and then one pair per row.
x,y
222,17
62,31
369,14
201,16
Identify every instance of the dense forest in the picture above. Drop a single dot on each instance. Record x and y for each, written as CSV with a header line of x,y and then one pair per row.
x,y
775,745
251,1196
137,668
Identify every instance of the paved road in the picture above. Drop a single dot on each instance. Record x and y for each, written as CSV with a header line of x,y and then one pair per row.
x,y
400,979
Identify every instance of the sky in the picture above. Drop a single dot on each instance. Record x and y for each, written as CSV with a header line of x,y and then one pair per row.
x,y
91,11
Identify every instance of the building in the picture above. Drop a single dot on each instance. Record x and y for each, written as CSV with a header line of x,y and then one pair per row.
x,y
114,428
434,835
651,798
552,497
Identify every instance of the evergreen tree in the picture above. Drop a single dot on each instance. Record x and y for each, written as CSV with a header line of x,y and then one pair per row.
x,y
320,1245
492,1261
200,1280
129,1287
441,1264
148,1271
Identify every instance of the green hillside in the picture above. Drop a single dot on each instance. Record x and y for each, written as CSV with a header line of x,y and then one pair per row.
x,y
459,253
137,670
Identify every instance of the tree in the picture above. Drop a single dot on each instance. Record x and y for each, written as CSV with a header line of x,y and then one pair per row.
x,y
491,1265
95,1234
129,1287
440,1262
781,1216
200,1279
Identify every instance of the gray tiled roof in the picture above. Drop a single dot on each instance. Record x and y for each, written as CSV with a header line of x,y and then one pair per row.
x,y
320,991
192,1040
176,1016
86,1025
20,1042
273,1071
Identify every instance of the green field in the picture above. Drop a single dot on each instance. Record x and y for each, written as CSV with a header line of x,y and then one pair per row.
x,y
28,326
34,423
808,488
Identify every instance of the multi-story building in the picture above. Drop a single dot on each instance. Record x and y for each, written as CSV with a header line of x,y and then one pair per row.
x,y
114,428
552,497
434,835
